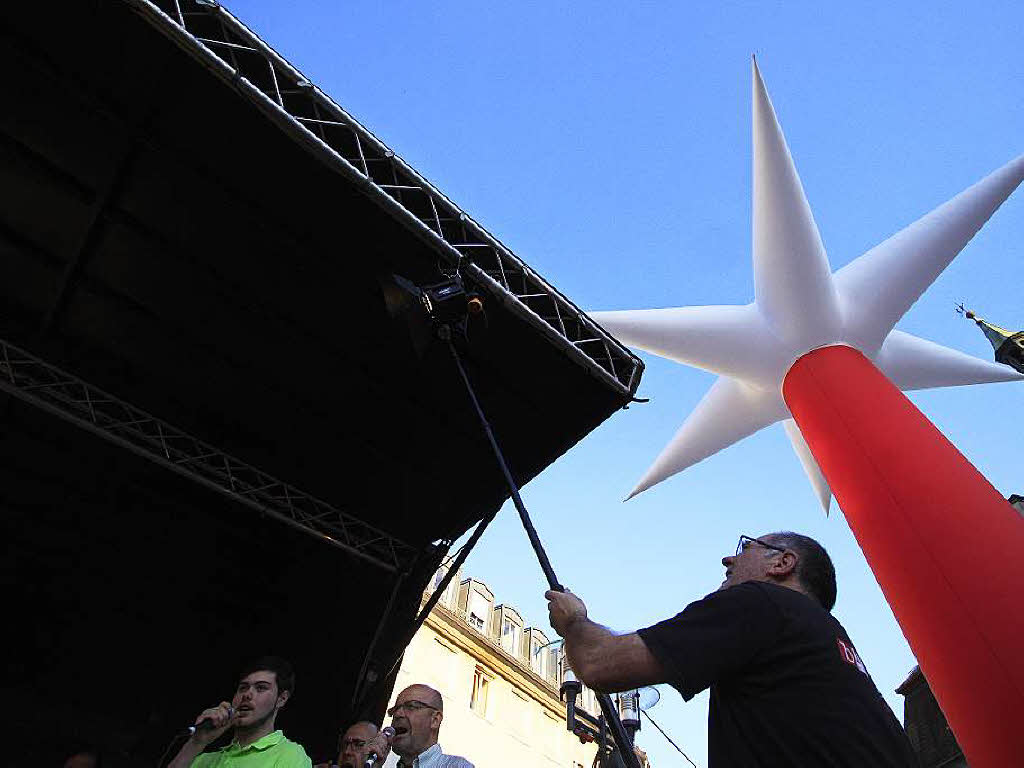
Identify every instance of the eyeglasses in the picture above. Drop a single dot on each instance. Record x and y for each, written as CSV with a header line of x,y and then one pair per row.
x,y
746,541
409,706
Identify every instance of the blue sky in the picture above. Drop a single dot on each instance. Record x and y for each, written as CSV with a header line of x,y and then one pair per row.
x,y
608,145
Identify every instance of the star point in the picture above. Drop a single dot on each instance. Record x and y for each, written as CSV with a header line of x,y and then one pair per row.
x,y
800,305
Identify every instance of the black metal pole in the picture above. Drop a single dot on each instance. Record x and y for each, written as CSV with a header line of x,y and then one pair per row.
x,y
421,617
531,532
608,708
360,688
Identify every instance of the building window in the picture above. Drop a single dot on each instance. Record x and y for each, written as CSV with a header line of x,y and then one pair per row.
x,y
481,685
554,666
447,598
477,612
438,578
510,636
586,700
537,657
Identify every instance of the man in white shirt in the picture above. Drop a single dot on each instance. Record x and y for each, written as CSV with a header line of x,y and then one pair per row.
x,y
416,717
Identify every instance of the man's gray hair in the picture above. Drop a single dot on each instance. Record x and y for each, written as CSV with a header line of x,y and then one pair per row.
x,y
814,568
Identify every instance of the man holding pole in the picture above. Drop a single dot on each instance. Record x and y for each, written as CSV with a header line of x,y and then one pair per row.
x,y
787,685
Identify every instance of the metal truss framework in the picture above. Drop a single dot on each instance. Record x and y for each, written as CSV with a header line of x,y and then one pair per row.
x,y
34,381
232,51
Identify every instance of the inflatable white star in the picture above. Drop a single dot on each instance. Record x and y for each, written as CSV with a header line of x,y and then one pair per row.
x,y
800,304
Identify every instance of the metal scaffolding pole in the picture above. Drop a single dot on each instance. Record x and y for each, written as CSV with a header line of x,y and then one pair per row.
x,y
45,386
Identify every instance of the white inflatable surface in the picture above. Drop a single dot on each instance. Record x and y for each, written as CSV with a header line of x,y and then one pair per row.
x,y
800,304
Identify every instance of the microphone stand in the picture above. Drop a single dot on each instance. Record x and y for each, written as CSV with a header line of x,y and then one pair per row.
x,y
608,709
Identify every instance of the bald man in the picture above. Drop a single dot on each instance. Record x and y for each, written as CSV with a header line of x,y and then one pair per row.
x,y
416,717
355,744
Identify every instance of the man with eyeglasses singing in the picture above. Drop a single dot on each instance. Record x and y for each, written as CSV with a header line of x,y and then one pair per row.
x,y
788,688
416,717
354,746
353,749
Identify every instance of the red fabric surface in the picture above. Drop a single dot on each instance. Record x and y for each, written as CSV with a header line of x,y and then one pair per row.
x,y
945,546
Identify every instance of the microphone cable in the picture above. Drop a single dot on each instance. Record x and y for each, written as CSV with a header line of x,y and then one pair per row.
x,y
178,739
669,739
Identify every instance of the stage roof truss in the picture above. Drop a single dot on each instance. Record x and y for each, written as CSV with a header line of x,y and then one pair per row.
x,y
233,52
43,385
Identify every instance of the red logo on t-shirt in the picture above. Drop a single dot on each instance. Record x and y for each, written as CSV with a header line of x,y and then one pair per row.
x,y
850,656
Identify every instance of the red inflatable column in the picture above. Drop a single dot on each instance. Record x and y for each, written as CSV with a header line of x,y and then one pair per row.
x,y
944,545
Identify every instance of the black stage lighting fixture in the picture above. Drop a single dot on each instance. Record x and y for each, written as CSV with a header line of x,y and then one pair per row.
x,y
424,310
445,302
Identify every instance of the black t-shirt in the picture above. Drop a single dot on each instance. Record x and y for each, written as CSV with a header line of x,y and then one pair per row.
x,y
787,686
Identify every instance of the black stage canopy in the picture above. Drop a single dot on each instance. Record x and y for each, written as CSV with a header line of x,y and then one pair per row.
x,y
216,439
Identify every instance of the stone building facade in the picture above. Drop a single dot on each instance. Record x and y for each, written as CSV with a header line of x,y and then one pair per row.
x,y
499,678
929,733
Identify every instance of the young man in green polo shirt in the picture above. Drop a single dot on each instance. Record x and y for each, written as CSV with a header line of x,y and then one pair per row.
x,y
263,688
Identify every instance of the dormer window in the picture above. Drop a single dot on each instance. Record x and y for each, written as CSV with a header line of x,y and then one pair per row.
x,y
507,629
535,650
438,578
537,658
554,670
509,636
476,600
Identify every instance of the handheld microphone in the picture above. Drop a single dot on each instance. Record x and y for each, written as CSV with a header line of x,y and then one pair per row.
x,y
390,733
207,724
